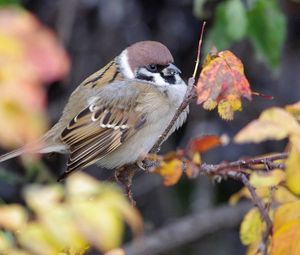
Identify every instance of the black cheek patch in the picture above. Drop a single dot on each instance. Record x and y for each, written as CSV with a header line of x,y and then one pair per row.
x,y
144,77
169,79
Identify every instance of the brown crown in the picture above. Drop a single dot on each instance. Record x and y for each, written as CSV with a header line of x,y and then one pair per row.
x,y
148,52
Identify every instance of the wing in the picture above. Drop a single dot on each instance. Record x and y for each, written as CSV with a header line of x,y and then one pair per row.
x,y
101,128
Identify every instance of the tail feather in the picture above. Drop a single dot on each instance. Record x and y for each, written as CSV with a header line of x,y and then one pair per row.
x,y
36,148
12,154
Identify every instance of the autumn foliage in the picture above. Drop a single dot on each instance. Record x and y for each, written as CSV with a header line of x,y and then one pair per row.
x,y
68,219
30,58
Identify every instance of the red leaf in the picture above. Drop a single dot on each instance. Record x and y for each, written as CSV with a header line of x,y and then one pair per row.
x,y
222,82
205,143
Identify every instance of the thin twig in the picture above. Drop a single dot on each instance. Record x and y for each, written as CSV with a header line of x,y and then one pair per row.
x,y
257,164
263,212
199,50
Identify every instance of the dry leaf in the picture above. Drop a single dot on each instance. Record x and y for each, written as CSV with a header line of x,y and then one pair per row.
x,y
222,82
171,171
273,124
293,170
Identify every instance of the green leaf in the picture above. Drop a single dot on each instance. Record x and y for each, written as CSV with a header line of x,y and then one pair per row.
x,y
236,20
217,36
9,2
267,30
230,25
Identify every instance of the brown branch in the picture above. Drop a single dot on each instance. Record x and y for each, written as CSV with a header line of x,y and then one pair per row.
x,y
188,229
261,163
263,212
237,170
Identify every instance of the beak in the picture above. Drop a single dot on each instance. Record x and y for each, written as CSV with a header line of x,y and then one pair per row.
x,y
171,70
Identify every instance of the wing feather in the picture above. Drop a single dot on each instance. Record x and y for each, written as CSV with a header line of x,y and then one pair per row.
x,y
98,130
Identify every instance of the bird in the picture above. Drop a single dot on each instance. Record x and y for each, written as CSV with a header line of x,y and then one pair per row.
x,y
115,116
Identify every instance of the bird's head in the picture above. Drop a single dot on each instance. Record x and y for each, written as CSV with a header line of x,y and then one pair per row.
x,y
149,61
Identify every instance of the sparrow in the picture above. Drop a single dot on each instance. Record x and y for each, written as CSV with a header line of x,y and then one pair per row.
x,y
115,116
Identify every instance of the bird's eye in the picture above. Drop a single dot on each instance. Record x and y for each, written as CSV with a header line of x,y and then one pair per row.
x,y
152,68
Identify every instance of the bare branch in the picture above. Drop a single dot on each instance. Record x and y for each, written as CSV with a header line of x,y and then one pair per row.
x,y
188,229
199,50
261,164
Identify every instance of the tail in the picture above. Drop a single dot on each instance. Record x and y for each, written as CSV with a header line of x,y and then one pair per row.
x,y
47,144
12,154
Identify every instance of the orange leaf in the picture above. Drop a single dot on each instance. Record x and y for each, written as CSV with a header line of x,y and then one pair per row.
x,y
205,143
285,214
171,171
286,240
222,82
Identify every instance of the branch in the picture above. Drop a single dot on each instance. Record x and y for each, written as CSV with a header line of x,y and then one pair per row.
x,y
237,170
263,212
258,164
188,229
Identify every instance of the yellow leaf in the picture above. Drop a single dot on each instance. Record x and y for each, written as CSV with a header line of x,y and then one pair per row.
x,y
103,230
286,213
283,195
225,110
196,158
252,227
37,239
171,171
282,118
253,248
262,192
267,179
210,104
87,198
13,217
5,243
43,198
58,221
294,109
10,47
258,131
293,171
273,124
286,240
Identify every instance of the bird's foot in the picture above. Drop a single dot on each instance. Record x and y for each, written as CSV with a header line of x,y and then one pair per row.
x,y
149,162
124,176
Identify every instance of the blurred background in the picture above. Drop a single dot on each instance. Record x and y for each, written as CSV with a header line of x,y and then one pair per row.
x,y
47,50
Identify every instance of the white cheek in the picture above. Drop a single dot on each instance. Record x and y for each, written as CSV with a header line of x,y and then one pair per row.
x,y
177,92
124,65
